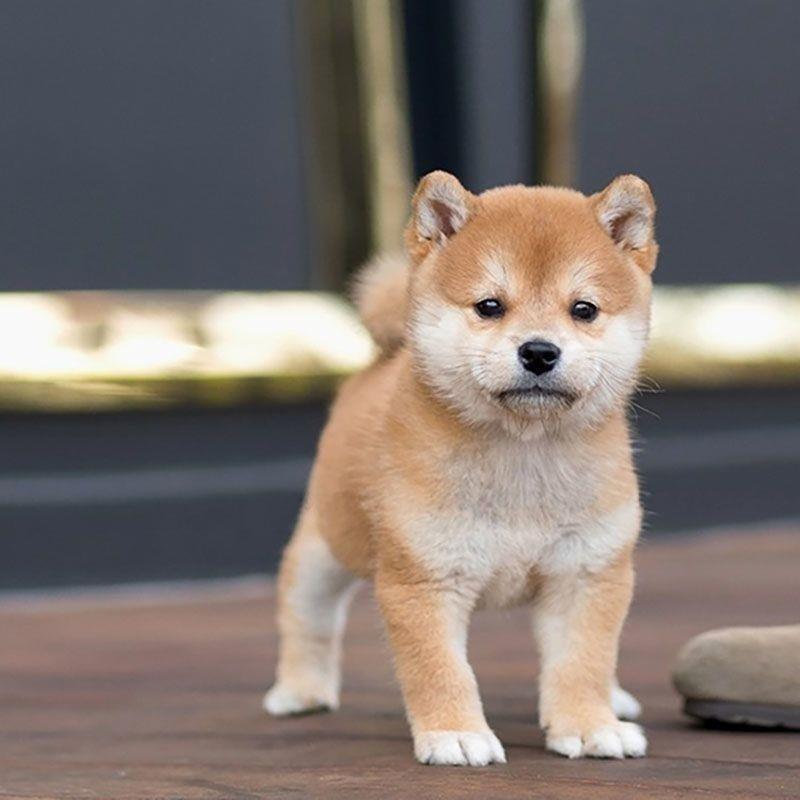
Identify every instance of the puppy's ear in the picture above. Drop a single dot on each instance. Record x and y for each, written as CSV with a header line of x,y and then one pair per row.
x,y
626,210
440,208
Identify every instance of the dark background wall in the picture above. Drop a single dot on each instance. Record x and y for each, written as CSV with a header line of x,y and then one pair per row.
x,y
159,144
703,100
204,493
471,76
150,143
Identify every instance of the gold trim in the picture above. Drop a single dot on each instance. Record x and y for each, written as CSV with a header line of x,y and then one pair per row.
x,y
725,335
355,130
85,351
560,62
334,139
378,38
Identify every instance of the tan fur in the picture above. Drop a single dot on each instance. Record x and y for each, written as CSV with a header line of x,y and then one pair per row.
x,y
379,293
451,497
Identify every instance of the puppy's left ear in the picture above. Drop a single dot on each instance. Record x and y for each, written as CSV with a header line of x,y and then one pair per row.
x,y
626,210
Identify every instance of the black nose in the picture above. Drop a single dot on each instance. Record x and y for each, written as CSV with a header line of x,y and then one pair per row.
x,y
538,356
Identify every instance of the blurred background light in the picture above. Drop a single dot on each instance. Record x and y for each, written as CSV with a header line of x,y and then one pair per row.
x,y
143,342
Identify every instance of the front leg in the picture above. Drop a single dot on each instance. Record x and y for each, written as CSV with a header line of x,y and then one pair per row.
x,y
427,625
577,621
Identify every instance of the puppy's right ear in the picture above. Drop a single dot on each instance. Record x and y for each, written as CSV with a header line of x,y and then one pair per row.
x,y
441,206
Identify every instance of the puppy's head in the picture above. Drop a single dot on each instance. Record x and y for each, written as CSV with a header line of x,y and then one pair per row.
x,y
530,303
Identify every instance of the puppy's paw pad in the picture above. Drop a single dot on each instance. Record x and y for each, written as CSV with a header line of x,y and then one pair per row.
x,y
282,701
624,704
461,748
623,740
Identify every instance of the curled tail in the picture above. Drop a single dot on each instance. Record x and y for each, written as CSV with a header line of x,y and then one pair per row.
x,y
380,293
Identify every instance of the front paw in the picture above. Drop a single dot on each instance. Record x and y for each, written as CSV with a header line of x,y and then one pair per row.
x,y
611,740
463,748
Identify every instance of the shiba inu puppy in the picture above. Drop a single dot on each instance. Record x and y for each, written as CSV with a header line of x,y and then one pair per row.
x,y
484,460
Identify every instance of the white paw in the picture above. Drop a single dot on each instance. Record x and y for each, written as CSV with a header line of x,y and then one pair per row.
x,y
625,739
465,748
624,704
282,700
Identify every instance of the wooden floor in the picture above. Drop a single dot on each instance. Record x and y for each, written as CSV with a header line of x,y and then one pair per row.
x,y
131,699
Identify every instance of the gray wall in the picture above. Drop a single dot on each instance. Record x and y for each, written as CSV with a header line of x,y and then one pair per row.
x,y
497,62
149,143
703,100
156,143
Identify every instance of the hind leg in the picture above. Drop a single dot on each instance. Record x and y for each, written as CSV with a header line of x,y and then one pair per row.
x,y
314,591
624,704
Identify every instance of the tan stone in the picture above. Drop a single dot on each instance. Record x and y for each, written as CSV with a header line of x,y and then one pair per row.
x,y
743,665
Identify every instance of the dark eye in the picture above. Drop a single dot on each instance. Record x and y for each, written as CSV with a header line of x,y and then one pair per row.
x,y
491,307
584,310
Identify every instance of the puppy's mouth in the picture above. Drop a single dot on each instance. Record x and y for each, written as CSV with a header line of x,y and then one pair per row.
x,y
537,393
